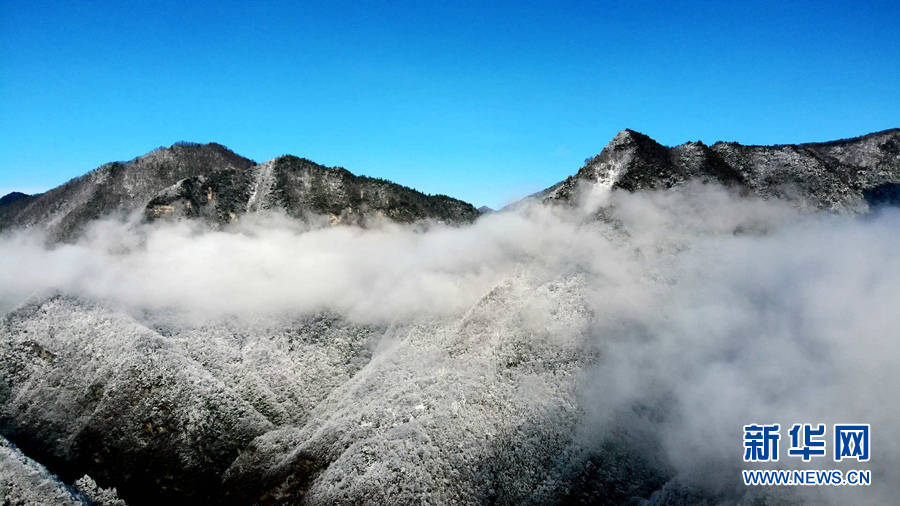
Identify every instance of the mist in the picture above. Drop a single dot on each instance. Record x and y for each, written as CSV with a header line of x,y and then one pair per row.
x,y
712,309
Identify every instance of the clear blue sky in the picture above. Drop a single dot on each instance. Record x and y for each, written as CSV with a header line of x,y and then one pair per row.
x,y
482,102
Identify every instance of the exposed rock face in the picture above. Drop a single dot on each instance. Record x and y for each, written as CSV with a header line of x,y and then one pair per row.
x,y
116,187
835,175
302,188
217,198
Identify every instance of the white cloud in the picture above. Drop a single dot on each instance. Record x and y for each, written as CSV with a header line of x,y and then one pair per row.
x,y
713,309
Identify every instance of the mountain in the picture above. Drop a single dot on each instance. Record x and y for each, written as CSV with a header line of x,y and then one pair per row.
x,y
843,175
157,410
211,182
117,187
25,482
541,359
275,411
9,198
301,187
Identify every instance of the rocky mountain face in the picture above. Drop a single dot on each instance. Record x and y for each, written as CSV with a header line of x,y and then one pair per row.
x,y
302,188
116,188
212,183
845,175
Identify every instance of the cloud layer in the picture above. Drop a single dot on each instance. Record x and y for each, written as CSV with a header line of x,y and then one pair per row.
x,y
709,309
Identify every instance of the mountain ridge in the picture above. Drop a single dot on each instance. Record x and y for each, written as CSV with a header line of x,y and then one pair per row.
x,y
833,175
210,182
115,187
182,179
533,358
302,188
11,197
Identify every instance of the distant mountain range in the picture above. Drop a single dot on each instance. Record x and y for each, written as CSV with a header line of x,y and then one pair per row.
x,y
210,182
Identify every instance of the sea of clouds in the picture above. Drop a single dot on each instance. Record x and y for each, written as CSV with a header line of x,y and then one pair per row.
x,y
709,309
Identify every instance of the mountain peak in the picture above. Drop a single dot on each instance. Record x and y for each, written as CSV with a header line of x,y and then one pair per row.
x,y
192,151
11,197
211,182
628,133
832,175
118,187
631,141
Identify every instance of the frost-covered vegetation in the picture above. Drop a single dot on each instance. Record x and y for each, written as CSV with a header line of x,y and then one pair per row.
x,y
550,354
593,345
24,482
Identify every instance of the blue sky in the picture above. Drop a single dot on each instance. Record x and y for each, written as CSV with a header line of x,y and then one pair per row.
x,y
482,102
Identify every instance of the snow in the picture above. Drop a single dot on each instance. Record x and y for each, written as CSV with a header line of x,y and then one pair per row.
x,y
512,361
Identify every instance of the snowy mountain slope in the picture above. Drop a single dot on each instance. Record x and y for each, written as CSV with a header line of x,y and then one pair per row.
x,y
304,190
160,412
212,183
24,482
116,188
537,356
832,175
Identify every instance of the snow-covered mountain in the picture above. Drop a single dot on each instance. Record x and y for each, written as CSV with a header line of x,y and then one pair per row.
x,y
535,355
115,188
843,175
209,181
302,188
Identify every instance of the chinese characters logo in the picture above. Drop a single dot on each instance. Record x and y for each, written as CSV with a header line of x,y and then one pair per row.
x,y
807,441
761,443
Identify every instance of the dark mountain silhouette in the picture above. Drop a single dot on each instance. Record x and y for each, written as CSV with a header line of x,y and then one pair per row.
x,y
9,198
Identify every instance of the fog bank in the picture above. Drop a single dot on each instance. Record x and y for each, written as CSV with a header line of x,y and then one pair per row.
x,y
707,310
